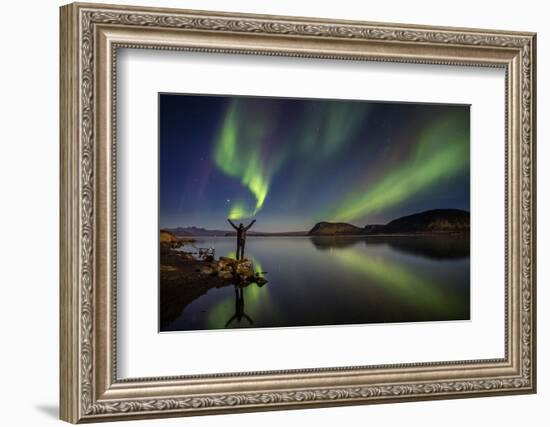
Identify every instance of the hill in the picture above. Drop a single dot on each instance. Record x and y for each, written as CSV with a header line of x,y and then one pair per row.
x,y
334,228
427,222
432,221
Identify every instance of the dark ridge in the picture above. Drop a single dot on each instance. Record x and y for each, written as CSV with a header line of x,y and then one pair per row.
x,y
334,229
428,222
432,221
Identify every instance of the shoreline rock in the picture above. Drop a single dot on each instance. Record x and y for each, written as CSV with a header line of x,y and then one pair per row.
x,y
240,271
184,278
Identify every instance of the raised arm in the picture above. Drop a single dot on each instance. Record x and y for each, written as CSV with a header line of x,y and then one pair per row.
x,y
250,225
232,225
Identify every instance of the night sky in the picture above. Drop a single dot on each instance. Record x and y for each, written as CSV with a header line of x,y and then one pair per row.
x,y
291,163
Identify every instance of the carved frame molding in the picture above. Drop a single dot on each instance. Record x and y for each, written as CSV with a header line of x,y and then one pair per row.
x,y
90,37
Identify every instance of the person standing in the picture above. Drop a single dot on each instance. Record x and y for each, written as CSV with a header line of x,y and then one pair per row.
x,y
241,236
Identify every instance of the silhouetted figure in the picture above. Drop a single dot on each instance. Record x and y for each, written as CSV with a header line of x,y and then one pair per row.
x,y
239,308
241,236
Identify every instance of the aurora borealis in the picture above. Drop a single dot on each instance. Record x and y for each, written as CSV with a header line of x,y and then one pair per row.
x,y
290,163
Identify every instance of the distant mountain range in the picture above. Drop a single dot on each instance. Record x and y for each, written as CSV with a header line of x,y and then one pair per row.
x,y
432,221
195,231
203,232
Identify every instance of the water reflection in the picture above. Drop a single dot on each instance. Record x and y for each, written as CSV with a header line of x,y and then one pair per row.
x,y
239,308
434,247
322,243
236,304
330,281
403,283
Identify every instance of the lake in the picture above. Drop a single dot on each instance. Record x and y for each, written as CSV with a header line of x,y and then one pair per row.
x,y
337,281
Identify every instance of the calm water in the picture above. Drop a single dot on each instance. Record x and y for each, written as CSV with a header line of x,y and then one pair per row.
x,y
342,280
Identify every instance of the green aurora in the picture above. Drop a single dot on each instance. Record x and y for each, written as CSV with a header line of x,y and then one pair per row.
x,y
238,154
293,162
243,133
441,152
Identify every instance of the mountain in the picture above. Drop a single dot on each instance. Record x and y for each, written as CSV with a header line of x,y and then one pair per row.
x,y
204,232
432,221
334,228
270,234
195,231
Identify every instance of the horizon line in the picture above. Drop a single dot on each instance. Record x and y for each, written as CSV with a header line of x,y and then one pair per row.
x,y
318,222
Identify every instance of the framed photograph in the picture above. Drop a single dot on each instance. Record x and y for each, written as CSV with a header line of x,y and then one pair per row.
x,y
287,165
265,212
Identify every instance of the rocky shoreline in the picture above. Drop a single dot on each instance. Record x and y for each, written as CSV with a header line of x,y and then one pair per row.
x,y
185,277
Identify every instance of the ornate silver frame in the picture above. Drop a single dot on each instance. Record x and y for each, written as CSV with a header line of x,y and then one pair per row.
x,y
90,36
